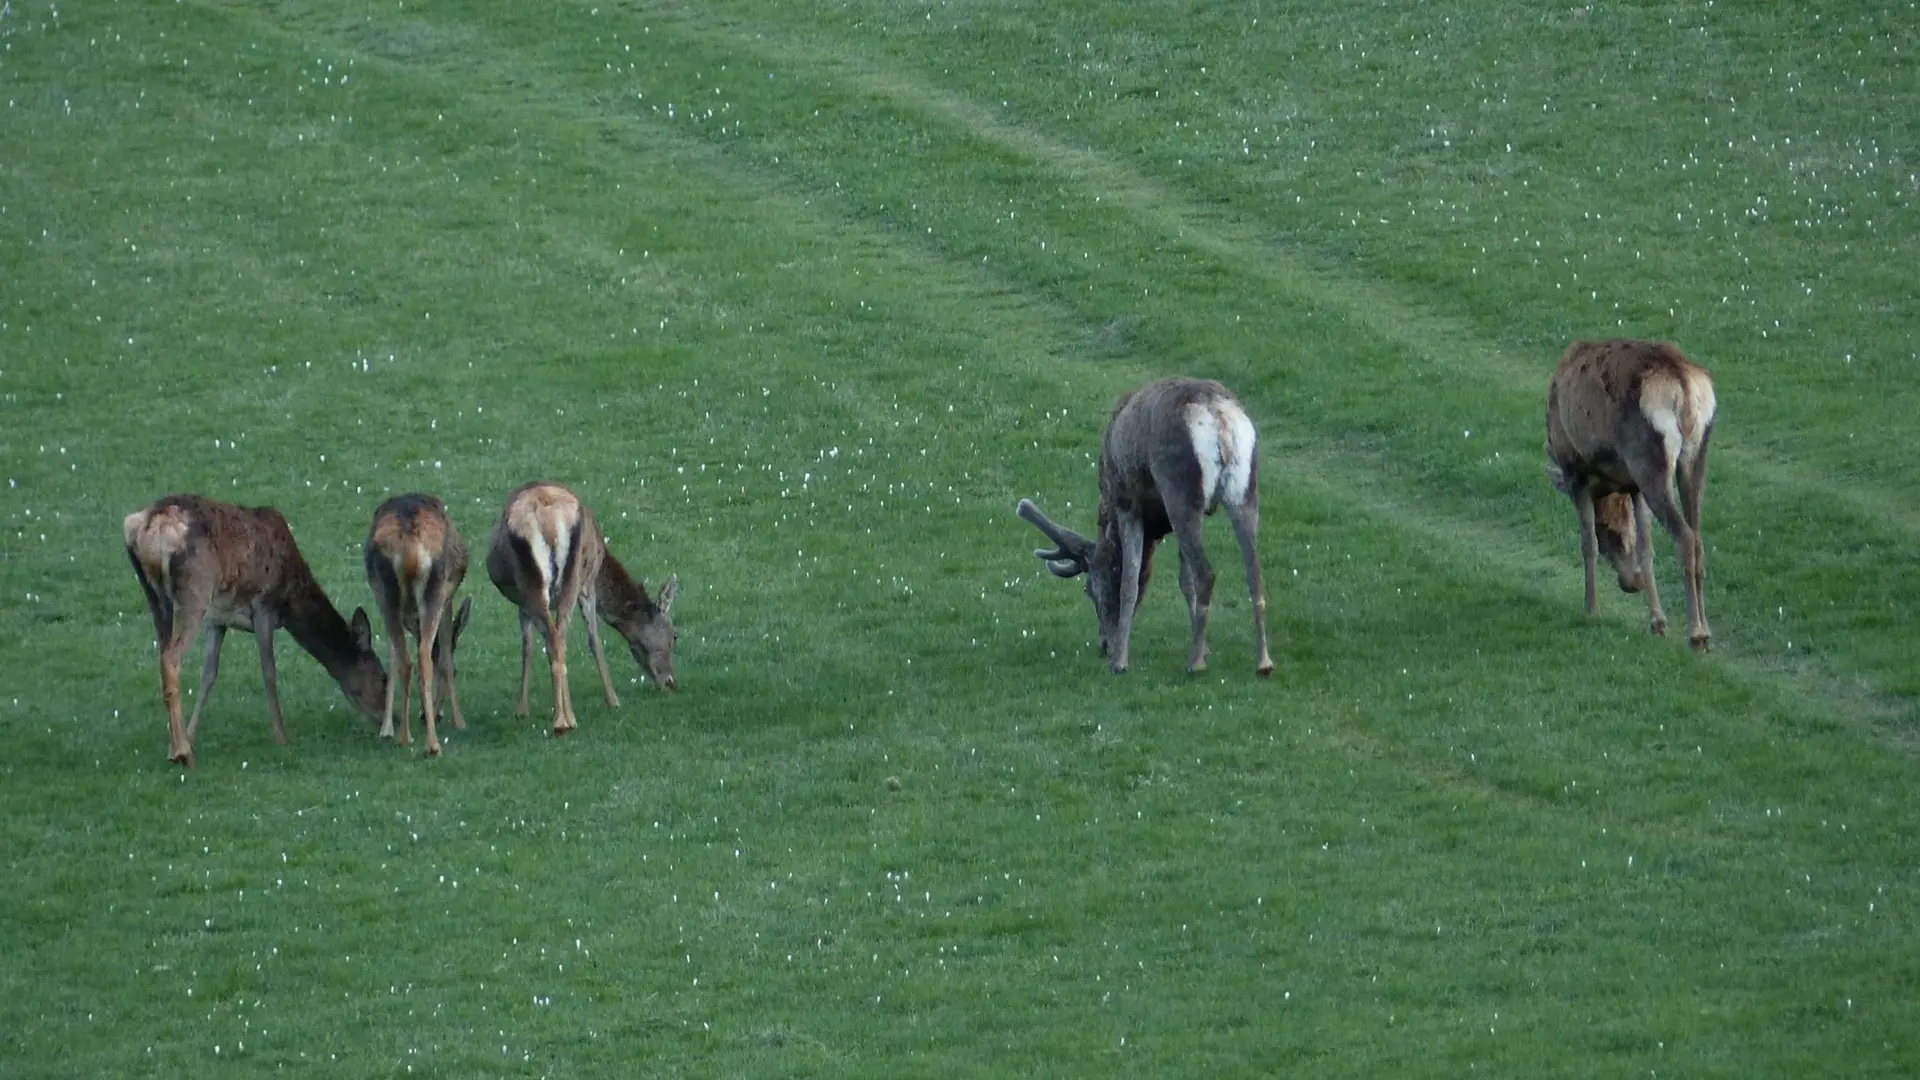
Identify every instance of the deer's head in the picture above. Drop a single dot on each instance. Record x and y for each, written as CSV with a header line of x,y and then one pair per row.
x,y
443,648
648,630
1619,540
1073,556
364,679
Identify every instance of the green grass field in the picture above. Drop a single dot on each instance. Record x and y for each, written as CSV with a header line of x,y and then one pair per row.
x,y
802,297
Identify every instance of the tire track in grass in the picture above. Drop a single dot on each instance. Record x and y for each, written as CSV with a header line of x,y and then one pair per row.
x,y
1804,685
1377,308
1375,486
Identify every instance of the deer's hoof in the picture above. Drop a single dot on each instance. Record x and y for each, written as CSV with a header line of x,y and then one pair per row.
x,y
1264,670
1701,643
1659,627
562,729
433,749
182,758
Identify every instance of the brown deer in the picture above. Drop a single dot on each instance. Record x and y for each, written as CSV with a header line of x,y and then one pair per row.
x,y
547,556
201,561
1627,430
1174,451
415,563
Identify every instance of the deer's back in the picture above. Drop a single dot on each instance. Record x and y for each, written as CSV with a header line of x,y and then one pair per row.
x,y
237,556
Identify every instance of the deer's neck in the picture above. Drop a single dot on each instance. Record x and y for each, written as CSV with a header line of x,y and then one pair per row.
x,y
620,594
317,627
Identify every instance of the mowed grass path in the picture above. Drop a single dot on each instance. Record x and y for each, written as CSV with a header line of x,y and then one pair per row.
x,y
802,298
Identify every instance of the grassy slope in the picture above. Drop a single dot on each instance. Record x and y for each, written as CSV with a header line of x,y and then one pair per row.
x,y
802,298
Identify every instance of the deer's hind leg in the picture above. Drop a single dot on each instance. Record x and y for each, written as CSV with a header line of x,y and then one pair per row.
x,y
556,627
402,681
1693,484
1246,531
166,617
433,606
183,622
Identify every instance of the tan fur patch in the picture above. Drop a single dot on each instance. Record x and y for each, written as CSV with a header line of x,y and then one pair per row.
x,y
155,537
410,550
1700,405
538,507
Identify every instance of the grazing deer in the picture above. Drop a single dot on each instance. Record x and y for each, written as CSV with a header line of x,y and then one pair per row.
x,y
1174,451
1627,430
547,556
415,563
201,561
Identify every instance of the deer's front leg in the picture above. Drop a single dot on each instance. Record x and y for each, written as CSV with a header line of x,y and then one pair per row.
x,y
1643,529
1196,584
209,671
1132,548
590,614
453,703
263,634
526,661
1589,543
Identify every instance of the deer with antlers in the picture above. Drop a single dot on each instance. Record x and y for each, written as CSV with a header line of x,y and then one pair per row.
x,y
202,562
1627,430
1174,451
547,555
415,563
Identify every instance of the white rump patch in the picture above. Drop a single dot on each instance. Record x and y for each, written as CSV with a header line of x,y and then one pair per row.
x,y
1700,409
423,572
1223,441
542,555
1665,421
550,559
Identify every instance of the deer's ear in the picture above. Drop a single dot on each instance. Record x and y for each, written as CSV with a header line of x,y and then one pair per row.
x,y
460,621
667,592
362,630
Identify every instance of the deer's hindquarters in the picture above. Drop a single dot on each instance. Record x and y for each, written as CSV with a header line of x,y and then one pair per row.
x,y
1224,445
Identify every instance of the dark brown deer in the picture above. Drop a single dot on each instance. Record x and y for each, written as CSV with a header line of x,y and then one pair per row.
x,y
547,556
206,562
415,563
1174,451
1627,430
